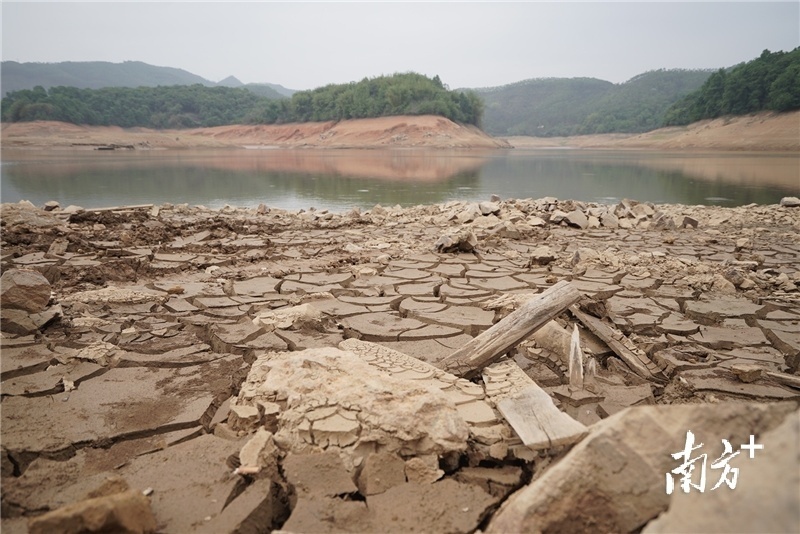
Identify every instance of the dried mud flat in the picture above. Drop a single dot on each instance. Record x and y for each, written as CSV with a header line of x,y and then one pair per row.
x,y
179,369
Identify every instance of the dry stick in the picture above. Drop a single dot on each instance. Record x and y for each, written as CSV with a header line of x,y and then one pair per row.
x,y
635,359
488,347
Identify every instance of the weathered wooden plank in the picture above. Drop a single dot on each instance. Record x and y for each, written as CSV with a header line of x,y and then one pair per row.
x,y
784,378
500,338
529,409
623,347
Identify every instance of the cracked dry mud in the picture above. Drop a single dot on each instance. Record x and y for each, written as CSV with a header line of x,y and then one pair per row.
x,y
261,370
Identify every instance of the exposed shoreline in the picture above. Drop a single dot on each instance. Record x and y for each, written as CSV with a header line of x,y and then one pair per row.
x,y
147,359
764,132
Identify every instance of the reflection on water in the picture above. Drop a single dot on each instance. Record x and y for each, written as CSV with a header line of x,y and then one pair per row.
x,y
340,179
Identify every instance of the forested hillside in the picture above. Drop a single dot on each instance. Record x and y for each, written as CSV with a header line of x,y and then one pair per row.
x,y
176,106
769,82
399,94
574,106
198,106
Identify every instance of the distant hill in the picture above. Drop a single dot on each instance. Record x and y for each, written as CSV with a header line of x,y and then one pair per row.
x,y
16,76
92,75
550,107
771,82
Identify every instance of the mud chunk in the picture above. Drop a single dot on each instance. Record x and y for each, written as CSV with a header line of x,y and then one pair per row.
x,y
24,289
464,241
127,512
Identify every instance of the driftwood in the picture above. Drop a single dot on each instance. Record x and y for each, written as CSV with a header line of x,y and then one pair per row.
x,y
623,347
488,347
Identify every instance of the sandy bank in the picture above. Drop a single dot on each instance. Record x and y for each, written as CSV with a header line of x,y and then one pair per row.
x,y
759,132
385,132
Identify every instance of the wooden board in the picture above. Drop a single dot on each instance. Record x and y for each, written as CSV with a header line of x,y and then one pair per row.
x,y
529,409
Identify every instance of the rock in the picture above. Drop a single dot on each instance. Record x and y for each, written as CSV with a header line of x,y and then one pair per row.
x,y
472,212
747,372
127,512
17,322
542,255
609,220
24,289
464,241
333,400
558,216
489,208
689,221
577,219
614,480
243,417
262,507
381,472
423,469
51,205
790,202
320,474
297,317
262,209
765,497
495,198
722,285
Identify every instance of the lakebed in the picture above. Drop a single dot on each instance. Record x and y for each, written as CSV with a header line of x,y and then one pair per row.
x,y
257,368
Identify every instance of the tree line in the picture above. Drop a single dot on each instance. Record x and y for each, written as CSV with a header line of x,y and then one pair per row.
x,y
769,82
199,106
177,106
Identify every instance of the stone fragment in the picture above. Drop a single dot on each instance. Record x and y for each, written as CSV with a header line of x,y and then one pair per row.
x,y
423,469
469,214
296,317
262,507
689,221
128,512
790,202
380,472
620,467
24,289
747,372
542,255
320,474
260,455
609,220
51,205
488,208
17,322
577,219
464,241
243,417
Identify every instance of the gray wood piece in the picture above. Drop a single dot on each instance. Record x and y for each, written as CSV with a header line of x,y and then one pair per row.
x,y
529,409
500,338
623,347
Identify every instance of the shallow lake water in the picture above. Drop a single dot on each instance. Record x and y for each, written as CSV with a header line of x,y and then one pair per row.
x,y
340,179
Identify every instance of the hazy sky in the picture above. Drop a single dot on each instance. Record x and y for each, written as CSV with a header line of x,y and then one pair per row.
x,y
303,45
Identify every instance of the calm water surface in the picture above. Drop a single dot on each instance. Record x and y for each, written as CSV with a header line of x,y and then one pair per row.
x,y
340,179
